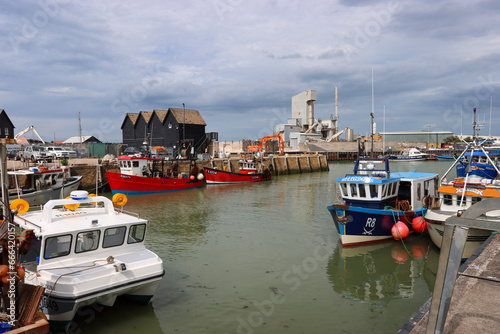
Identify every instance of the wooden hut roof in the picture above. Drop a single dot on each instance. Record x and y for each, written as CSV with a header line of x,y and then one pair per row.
x,y
133,118
6,117
162,114
147,115
191,116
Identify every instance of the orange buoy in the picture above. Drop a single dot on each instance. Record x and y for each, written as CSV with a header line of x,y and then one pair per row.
x,y
4,269
399,254
5,279
119,199
400,230
19,205
192,177
419,224
71,207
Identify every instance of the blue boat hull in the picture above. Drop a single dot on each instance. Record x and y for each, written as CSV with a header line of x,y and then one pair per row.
x,y
358,225
478,169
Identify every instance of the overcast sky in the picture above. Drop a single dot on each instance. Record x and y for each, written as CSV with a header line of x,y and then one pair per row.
x,y
240,62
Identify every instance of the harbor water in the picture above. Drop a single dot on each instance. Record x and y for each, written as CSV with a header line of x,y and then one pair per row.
x,y
266,258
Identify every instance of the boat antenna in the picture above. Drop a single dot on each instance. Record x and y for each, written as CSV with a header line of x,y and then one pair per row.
x,y
372,115
474,125
97,179
461,121
184,125
383,136
371,152
79,127
491,105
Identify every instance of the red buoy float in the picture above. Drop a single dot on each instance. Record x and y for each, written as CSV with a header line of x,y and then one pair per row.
x,y
4,269
419,224
400,230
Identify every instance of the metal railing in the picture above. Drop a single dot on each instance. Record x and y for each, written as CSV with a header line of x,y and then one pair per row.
x,y
454,238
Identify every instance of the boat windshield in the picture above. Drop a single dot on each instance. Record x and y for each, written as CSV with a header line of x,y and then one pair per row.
x,y
57,246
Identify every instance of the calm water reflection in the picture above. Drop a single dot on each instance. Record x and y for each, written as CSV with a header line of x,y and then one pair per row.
x,y
265,258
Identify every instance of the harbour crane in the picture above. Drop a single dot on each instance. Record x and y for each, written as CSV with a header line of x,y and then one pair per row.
x,y
29,128
259,148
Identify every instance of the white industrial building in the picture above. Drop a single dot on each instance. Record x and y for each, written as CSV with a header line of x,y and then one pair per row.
x,y
303,126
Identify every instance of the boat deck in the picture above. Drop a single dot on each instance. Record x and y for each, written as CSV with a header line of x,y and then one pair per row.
x,y
476,296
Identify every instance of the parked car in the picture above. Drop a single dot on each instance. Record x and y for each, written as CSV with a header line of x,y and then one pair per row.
x,y
61,152
34,153
13,154
131,151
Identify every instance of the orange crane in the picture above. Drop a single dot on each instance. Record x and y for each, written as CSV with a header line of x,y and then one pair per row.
x,y
259,148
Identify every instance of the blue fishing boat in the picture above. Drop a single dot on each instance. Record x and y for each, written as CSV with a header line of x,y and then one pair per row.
x,y
374,199
477,163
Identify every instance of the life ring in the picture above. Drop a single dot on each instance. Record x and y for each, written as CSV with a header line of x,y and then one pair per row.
x,y
93,195
119,199
19,205
71,207
44,169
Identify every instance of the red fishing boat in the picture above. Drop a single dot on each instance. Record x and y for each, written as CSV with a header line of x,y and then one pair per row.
x,y
249,171
136,177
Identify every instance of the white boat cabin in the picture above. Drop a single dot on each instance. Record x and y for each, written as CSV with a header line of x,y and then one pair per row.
x,y
40,178
68,234
84,251
247,166
137,166
373,185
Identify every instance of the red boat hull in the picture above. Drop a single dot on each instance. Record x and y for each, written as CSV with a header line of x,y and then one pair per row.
x,y
130,184
220,176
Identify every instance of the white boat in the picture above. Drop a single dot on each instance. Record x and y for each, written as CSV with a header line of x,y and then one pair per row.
x,y
37,185
409,154
84,252
457,196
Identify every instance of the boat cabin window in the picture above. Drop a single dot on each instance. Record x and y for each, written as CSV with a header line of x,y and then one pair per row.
x,y
447,199
114,236
343,188
136,233
427,187
362,190
373,190
135,163
87,241
461,202
57,246
384,190
476,200
354,190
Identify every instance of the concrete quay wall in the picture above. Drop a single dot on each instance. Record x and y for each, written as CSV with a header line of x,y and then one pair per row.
x,y
280,165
